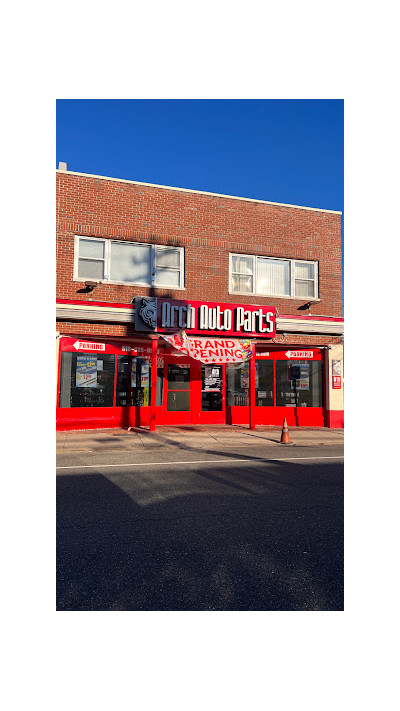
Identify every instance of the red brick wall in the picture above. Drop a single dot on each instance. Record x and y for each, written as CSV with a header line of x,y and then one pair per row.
x,y
209,227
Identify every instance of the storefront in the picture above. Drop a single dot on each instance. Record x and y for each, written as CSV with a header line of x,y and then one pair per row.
x,y
193,363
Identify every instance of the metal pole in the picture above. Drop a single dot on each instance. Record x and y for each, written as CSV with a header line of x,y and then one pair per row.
x,y
153,391
252,388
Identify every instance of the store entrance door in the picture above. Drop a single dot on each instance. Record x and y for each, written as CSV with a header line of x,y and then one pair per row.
x,y
212,381
194,392
177,399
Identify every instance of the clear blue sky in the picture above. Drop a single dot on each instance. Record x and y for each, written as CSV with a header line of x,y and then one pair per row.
x,y
288,151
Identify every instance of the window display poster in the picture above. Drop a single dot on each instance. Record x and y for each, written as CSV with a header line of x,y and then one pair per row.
x,y
145,375
146,397
133,373
336,367
303,383
86,371
211,379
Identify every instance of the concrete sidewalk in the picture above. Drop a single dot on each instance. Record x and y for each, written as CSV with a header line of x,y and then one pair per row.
x,y
199,437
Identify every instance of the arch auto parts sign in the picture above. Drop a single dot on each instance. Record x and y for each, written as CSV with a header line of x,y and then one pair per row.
x,y
214,318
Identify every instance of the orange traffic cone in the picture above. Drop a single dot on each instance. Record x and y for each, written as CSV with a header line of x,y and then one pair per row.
x,y
285,439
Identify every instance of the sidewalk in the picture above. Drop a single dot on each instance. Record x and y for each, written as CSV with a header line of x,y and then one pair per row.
x,y
196,437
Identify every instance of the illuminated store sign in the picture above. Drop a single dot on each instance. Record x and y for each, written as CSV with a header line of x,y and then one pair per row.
x,y
170,315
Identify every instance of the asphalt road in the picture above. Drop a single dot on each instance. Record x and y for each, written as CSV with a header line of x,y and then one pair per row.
x,y
171,529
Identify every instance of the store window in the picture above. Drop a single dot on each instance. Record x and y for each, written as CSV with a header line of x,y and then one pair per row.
x,y
128,262
123,380
270,276
264,383
299,382
237,384
141,383
86,380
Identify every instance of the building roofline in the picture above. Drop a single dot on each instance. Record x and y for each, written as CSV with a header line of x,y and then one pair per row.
x,y
197,192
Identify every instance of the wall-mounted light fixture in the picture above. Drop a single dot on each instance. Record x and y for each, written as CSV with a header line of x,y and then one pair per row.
x,y
304,307
89,286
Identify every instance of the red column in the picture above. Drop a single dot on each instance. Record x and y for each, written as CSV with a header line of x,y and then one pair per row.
x,y
153,391
252,388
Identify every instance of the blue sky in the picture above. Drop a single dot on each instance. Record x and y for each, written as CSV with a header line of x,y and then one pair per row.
x,y
288,151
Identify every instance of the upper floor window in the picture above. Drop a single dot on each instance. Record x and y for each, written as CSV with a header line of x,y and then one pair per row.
x,y
128,262
293,278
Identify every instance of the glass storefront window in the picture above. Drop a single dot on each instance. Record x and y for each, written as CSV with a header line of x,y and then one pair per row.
x,y
86,380
141,383
123,380
237,384
264,383
211,388
307,388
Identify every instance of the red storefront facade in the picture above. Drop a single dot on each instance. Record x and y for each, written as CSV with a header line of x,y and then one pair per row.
x,y
273,383
115,364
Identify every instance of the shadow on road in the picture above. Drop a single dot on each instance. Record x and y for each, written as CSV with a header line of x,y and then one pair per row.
x,y
237,538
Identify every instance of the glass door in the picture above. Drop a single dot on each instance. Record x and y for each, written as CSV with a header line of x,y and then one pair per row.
x,y
177,402
212,394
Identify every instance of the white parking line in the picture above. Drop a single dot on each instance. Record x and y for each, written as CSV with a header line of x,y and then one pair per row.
x,y
196,461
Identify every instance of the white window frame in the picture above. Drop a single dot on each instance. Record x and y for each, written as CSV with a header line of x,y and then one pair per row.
x,y
107,263
292,263
231,272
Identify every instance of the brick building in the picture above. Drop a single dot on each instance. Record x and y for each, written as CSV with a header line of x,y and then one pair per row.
x,y
255,287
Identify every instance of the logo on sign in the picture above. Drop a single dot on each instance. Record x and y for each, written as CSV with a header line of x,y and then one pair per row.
x,y
148,312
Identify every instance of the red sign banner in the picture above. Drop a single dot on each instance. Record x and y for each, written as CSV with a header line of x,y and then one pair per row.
x,y
77,345
212,350
204,317
336,382
299,354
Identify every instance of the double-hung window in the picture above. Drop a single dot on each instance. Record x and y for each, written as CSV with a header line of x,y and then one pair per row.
x,y
128,262
271,276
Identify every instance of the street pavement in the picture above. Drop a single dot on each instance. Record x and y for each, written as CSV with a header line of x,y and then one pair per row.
x,y
193,524
192,437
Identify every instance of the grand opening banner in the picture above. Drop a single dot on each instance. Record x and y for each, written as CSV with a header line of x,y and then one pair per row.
x,y
212,350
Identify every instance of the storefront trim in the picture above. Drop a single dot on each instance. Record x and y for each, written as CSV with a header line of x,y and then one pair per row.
x,y
67,309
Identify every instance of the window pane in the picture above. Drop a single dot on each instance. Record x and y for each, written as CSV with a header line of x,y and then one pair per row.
x,y
178,377
130,262
123,380
273,277
168,257
304,288
167,277
308,387
303,270
242,283
160,384
264,383
242,264
178,401
89,269
91,248
100,389
140,382
237,384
